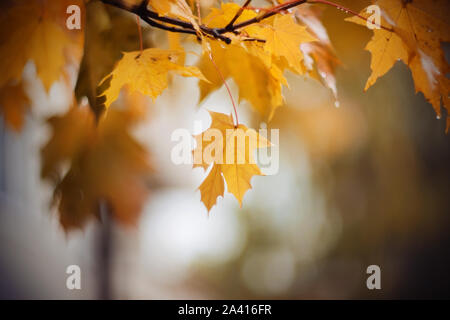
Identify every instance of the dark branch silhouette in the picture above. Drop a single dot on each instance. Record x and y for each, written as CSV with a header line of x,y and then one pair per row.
x,y
180,26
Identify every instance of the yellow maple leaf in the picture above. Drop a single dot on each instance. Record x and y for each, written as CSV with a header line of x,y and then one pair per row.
x,y
220,17
385,46
283,39
257,68
110,32
212,187
35,30
146,72
320,57
176,8
231,153
418,28
258,83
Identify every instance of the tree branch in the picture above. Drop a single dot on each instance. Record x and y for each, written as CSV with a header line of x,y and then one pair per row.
x,y
180,26
238,14
273,11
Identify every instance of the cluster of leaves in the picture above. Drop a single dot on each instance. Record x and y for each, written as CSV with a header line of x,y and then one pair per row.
x,y
412,32
30,30
254,47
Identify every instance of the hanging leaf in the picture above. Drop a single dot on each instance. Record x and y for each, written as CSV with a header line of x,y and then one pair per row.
x,y
231,157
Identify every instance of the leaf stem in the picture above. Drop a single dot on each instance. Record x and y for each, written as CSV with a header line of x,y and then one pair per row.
x,y
141,44
199,10
227,87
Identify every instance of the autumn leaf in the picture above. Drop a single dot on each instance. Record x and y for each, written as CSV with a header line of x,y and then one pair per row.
x,y
386,48
246,63
220,17
231,156
177,8
109,33
212,187
283,38
257,83
146,72
320,60
418,28
320,57
106,165
257,68
35,30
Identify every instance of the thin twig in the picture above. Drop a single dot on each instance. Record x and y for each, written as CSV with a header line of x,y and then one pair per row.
x,y
141,45
180,26
229,26
268,14
158,25
199,13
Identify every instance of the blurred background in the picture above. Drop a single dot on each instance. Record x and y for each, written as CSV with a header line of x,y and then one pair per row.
x,y
366,183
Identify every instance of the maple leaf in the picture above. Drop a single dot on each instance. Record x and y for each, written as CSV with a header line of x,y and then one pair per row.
x,y
106,165
283,38
319,54
231,157
177,8
320,59
418,28
259,82
35,30
257,68
109,33
146,72
212,187
220,17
